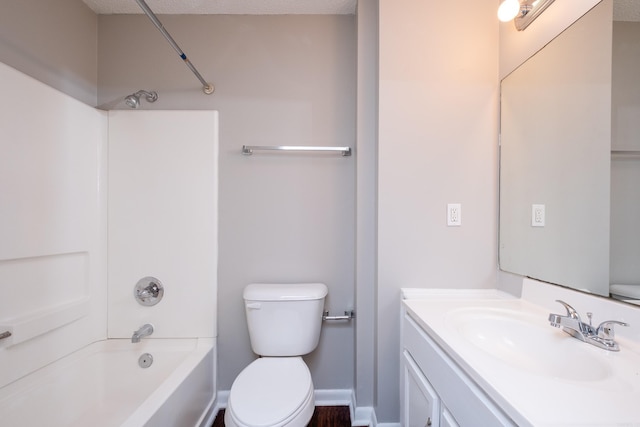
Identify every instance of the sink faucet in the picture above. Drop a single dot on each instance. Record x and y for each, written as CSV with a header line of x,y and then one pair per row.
x,y
602,336
144,331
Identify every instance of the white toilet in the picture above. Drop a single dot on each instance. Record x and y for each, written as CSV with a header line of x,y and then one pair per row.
x,y
276,390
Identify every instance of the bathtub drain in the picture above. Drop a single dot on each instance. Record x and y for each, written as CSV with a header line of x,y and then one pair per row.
x,y
145,360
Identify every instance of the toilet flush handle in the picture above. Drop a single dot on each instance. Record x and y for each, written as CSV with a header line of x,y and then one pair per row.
x,y
254,305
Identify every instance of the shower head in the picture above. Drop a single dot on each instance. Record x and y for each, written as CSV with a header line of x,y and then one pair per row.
x,y
133,100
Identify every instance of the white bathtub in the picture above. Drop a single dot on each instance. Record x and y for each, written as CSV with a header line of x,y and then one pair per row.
x,y
103,385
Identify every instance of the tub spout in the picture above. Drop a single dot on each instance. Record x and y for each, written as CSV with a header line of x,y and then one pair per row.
x,y
144,331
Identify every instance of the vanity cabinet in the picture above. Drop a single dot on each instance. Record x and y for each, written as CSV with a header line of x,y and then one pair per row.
x,y
421,407
435,391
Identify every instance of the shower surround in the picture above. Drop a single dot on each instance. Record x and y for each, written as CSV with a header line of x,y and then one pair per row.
x,y
55,180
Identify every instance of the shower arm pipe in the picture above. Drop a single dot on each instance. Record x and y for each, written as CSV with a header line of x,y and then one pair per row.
x,y
206,87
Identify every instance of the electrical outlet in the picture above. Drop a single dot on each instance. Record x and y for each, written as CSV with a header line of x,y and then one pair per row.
x,y
454,215
537,215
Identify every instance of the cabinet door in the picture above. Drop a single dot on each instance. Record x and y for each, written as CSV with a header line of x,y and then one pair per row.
x,y
446,419
421,405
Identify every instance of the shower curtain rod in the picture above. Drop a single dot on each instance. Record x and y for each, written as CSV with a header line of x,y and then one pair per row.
x,y
206,87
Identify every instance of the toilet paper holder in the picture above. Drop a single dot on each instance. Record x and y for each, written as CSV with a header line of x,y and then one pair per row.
x,y
348,315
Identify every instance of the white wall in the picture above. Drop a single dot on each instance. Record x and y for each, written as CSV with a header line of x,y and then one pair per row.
x,y
163,208
53,229
437,145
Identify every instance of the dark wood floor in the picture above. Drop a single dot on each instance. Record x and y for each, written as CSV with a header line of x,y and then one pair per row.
x,y
323,416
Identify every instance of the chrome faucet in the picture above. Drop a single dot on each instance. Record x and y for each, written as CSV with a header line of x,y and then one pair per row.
x,y
602,336
144,331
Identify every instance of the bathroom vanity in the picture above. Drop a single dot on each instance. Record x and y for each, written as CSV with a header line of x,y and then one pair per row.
x,y
484,357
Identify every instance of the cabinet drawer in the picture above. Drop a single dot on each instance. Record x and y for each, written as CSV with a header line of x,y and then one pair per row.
x,y
467,402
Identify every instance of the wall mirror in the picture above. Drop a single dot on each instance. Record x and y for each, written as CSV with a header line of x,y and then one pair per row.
x,y
570,157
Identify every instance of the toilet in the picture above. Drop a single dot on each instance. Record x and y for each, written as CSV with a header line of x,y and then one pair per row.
x,y
284,323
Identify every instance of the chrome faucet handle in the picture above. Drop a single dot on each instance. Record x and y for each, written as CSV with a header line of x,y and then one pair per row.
x,y
605,330
151,291
571,312
148,291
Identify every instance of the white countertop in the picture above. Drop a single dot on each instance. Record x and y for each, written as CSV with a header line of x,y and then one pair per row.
x,y
595,387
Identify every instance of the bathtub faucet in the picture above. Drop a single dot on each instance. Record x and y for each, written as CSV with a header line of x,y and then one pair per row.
x,y
144,331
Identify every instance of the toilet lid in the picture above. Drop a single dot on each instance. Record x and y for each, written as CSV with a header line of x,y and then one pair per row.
x,y
270,390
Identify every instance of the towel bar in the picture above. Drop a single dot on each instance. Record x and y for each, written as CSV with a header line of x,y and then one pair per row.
x,y
249,149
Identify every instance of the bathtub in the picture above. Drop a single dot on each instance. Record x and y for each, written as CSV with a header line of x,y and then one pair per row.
x,y
103,385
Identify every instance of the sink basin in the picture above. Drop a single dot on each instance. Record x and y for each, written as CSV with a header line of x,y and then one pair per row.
x,y
528,343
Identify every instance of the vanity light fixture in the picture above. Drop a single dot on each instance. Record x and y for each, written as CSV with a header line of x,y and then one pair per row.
x,y
523,12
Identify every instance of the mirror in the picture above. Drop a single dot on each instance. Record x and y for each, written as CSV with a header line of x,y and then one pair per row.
x,y
569,163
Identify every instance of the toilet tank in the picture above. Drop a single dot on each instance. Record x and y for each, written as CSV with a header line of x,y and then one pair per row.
x,y
284,319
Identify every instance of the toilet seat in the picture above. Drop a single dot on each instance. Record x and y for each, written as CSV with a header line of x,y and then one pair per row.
x,y
272,392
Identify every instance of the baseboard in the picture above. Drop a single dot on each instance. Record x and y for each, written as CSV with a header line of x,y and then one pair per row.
x,y
333,397
366,416
360,416
222,399
363,416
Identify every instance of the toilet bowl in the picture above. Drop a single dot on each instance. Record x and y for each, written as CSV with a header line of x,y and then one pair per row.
x,y
276,389
271,392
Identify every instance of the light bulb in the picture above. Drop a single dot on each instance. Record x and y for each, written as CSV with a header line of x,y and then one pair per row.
x,y
508,10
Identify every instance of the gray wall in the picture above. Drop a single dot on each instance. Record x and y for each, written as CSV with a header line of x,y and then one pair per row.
x,y
366,224
54,42
280,80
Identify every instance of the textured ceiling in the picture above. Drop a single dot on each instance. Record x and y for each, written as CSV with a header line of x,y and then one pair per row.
x,y
243,7
626,10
